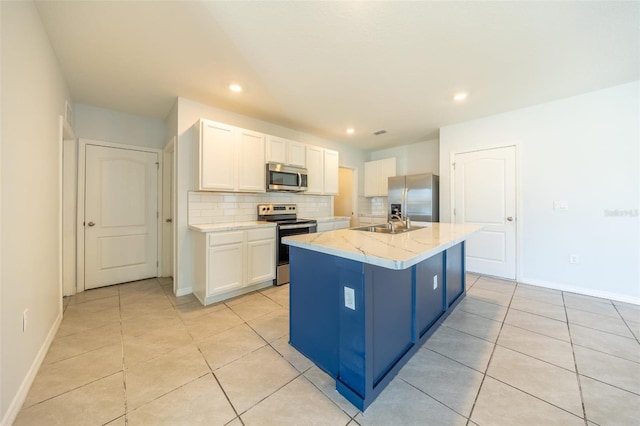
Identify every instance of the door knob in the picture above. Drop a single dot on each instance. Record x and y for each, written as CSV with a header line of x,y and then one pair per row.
x,y
91,224
510,218
169,220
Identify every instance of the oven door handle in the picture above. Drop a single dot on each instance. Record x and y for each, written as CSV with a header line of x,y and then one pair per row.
x,y
300,226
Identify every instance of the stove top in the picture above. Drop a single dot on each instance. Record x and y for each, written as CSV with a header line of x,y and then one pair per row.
x,y
281,214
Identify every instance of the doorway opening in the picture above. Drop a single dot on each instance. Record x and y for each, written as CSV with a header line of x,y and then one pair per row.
x,y
346,202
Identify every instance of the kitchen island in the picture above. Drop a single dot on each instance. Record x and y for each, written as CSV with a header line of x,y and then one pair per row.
x,y
362,303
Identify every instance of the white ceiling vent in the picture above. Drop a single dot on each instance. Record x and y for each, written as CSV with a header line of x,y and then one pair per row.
x,y
380,132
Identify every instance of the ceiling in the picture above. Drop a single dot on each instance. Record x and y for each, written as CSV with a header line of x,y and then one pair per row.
x,y
321,67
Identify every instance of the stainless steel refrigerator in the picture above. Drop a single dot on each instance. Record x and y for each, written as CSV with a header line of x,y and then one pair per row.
x,y
416,196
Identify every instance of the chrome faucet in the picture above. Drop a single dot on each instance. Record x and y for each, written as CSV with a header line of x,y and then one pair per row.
x,y
394,218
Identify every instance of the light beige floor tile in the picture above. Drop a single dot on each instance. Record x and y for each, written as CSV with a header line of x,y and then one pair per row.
x,y
279,294
482,308
272,326
200,402
97,403
144,307
120,421
223,348
152,322
576,296
497,285
500,404
533,377
629,314
498,298
255,308
299,402
192,310
62,376
402,404
84,341
148,380
623,347
470,280
608,369
542,347
235,422
93,294
327,386
74,322
475,325
635,328
607,405
216,322
96,305
599,322
255,296
539,294
601,306
538,324
464,348
539,308
295,358
447,381
157,343
254,377
181,300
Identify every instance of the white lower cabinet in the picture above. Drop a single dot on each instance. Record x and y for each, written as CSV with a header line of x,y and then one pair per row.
x,y
333,224
230,263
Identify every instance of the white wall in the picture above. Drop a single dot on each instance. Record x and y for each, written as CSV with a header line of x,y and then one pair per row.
x,y
420,157
33,98
189,113
584,150
107,125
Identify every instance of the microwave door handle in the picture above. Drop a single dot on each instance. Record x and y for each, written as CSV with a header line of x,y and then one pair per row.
x,y
299,180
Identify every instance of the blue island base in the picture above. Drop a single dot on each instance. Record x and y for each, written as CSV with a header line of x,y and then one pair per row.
x,y
361,323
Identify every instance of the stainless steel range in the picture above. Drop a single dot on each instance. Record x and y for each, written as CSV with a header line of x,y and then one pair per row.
x,y
286,216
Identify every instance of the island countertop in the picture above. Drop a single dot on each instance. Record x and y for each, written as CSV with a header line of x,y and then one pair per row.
x,y
393,251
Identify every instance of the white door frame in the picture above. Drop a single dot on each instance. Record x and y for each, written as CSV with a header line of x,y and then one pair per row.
x,y
168,201
82,146
452,191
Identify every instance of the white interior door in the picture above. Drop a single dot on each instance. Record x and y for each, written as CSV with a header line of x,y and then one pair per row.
x,y
485,194
121,205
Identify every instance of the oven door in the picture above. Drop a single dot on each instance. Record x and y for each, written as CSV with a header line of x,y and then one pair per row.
x,y
282,261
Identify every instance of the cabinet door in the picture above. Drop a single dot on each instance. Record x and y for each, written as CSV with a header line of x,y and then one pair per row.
x,y
297,154
217,160
261,259
224,268
251,171
341,224
331,162
276,150
370,179
315,170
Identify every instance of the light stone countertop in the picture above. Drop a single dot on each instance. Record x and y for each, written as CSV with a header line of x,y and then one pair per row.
x,y
397,251
230,226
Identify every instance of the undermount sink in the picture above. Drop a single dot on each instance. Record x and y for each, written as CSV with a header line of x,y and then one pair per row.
x,y
385,228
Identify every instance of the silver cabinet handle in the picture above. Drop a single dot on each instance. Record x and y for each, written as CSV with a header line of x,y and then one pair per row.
x,y
91,224
510,218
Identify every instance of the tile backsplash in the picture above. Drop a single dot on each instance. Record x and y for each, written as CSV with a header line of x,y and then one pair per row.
x,y
217,207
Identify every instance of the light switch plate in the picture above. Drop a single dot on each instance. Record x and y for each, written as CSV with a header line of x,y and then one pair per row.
x,y
349,298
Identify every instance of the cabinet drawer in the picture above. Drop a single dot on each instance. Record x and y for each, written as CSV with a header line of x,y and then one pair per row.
x,y
261,234
221,238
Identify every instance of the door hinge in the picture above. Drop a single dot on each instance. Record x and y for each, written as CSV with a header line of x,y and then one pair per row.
x,y
157,215
454,166
158,166
454,212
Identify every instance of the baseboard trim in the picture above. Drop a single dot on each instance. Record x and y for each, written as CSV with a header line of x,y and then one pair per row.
x,y
580,290
21,395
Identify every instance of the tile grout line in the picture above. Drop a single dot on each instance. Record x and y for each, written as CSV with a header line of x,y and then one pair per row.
x,y
575,362
637,338
484,374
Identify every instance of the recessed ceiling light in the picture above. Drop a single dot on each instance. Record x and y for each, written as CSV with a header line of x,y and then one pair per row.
x,y
350,130
460,96
235,88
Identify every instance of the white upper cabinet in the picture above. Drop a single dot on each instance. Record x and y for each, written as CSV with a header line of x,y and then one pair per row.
x,y
330,172
376,174
284,151
322,169
315,170
229,158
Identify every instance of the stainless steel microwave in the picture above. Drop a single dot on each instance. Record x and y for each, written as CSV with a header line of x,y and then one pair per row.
x,y
285,178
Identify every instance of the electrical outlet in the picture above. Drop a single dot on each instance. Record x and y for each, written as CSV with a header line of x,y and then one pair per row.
x,y
24,320
574,259
435,282
349,298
